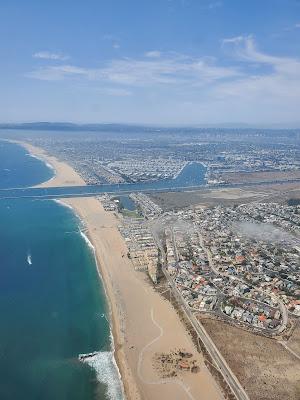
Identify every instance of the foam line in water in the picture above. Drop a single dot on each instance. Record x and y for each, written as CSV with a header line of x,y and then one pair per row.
x,y
63,204
104,364
60,202
111,376
43,160
87,240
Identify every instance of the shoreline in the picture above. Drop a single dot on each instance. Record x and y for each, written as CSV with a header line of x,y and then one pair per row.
x,y
128,385
112,323
137,312
63,173
113,334
89,241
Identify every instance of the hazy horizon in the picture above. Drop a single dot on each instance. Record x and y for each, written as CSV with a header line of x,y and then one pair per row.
x,y
164,62
228,125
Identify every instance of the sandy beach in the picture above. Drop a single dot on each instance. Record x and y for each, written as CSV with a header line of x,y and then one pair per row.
x,y
64,174
143,322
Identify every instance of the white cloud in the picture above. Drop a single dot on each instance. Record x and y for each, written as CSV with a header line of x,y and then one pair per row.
x,y
245,49
47,55
168,69
57,73
153,54
255,86
215,4
235,39
118,92
272,93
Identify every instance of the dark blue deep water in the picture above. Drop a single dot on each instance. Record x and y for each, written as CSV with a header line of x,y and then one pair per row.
x,y
52,303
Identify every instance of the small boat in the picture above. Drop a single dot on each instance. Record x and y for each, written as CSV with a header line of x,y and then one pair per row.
x,y
29,260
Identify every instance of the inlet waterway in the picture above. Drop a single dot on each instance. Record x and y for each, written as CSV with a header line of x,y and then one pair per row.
x,y
192,175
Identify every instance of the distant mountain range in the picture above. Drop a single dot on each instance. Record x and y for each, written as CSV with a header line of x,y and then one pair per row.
x,y
69,126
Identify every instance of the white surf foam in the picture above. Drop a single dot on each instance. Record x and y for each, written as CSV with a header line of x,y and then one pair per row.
x,y
60,202
43,160
87,240
63,204
103,362
107,373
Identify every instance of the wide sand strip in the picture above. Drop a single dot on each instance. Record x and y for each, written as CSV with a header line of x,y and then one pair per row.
x,y
143,322
64,174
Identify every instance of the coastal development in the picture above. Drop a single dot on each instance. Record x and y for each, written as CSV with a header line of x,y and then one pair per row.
x,y
180,265
238,264
231,156
150,200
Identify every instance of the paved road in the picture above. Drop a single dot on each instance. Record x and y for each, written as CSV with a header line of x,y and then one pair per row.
x,y
281,305
216,356
284,344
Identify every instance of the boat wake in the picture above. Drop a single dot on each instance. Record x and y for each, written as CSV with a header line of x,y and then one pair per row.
x,y
29,259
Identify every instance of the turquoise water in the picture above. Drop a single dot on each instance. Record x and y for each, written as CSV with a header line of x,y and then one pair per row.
x,y
52,303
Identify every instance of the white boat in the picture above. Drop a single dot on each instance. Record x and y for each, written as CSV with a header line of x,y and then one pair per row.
x,y
29,260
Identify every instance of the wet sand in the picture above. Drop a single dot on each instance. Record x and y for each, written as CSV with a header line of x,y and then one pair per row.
x,y
143,322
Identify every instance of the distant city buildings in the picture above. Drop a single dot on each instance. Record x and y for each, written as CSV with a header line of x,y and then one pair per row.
x,y
230,262
149,156
238,263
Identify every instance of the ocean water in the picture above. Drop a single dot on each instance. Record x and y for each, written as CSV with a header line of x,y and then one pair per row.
x,y
52,302
19,169
193,175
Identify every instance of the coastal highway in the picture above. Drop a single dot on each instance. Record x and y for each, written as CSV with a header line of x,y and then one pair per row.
x,y
216,356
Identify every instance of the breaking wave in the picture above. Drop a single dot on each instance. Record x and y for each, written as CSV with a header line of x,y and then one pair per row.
x,y
43,160
60,202
103,362
81,223
87,240
107,373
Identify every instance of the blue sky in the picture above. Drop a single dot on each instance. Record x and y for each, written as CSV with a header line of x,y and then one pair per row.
x,y
155,61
